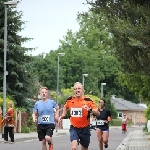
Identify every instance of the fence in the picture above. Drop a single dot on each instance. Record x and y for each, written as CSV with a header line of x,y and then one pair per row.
x,y
22,119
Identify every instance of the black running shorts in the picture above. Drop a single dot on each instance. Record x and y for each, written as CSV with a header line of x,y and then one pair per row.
x,y
45,129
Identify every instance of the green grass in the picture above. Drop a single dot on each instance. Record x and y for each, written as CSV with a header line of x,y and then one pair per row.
x,y
147,133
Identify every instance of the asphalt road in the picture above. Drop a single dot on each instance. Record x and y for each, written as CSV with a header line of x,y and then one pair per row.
x,y
62,142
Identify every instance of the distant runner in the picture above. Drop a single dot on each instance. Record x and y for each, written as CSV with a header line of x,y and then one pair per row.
x,y
102,125
125,121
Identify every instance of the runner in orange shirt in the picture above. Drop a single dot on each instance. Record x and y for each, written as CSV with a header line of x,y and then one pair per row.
x,y
80,108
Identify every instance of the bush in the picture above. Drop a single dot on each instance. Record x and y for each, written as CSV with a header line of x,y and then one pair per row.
x,y
130,123
31,124
115,122
7,100
145,129
25,129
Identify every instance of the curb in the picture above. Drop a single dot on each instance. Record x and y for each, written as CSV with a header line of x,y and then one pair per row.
x,y
22,139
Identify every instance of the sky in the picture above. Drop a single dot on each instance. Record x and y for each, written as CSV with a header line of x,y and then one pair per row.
x,y
47,21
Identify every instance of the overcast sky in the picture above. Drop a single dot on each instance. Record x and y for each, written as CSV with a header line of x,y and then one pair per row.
x,y
47,21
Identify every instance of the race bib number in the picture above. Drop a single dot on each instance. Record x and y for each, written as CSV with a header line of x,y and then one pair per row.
x,y
46,118
76,112
100,122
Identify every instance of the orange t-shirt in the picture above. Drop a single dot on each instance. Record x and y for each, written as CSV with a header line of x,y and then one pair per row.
x,y
79,116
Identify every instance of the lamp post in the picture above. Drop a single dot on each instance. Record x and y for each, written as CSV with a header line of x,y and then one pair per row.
x,y
9,3
102,84
57,90
83,75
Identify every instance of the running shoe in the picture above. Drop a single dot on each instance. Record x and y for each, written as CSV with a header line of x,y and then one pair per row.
x,y
106,145
5,142
50,146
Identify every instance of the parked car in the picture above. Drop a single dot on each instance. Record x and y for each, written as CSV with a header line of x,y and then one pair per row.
x,y
93,124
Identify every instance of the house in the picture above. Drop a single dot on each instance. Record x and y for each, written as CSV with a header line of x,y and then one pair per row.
x,y
134,111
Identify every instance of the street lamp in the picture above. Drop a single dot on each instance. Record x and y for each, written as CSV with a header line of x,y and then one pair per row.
x,y
59,54
102,84
9,3
83,75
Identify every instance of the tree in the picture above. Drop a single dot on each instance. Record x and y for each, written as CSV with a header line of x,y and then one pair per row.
x,y
20,78
128,22
94,40
87,51
46,69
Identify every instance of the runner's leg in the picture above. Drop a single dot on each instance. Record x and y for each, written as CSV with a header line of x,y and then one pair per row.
x,y
123,128
82,148
74,145
48,137
85,141
105,138
44,144
100,138
41,135
85,138
74,138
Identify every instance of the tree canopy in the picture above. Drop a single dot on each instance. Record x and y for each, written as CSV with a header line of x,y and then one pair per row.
x,y
86,51
97,49
128,22
20,78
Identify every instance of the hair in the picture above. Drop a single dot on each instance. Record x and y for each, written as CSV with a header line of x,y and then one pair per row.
x,y
79,83
44,87
10,104
103,101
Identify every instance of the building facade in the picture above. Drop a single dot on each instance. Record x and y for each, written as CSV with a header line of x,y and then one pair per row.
x,y
135,112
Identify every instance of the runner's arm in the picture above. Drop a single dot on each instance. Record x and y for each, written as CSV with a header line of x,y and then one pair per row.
x,y
35,113
109,118
94,109
34,116
64,113
57,111
65,109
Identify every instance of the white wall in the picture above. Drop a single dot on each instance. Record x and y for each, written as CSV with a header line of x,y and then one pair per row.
x,y
66,124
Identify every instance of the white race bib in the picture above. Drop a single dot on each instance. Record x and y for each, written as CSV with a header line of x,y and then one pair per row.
x,y
46,118
100,122
76,112
124,120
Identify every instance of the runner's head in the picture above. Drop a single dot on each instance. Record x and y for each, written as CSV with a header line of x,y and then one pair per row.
x,y
10,104
43,92
102,103
78,90
124,115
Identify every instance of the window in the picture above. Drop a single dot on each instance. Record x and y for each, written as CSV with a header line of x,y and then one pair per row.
x,y
120,114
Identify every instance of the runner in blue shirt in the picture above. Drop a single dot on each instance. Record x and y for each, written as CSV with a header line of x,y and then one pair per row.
x,y
43,114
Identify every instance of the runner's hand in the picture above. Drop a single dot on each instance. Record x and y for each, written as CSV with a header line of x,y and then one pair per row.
x,y
96,112
60,118
35,119
56,119
106,121
86,107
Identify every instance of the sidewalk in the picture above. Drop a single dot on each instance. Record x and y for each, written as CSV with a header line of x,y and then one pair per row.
x,y
33,135
135,140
